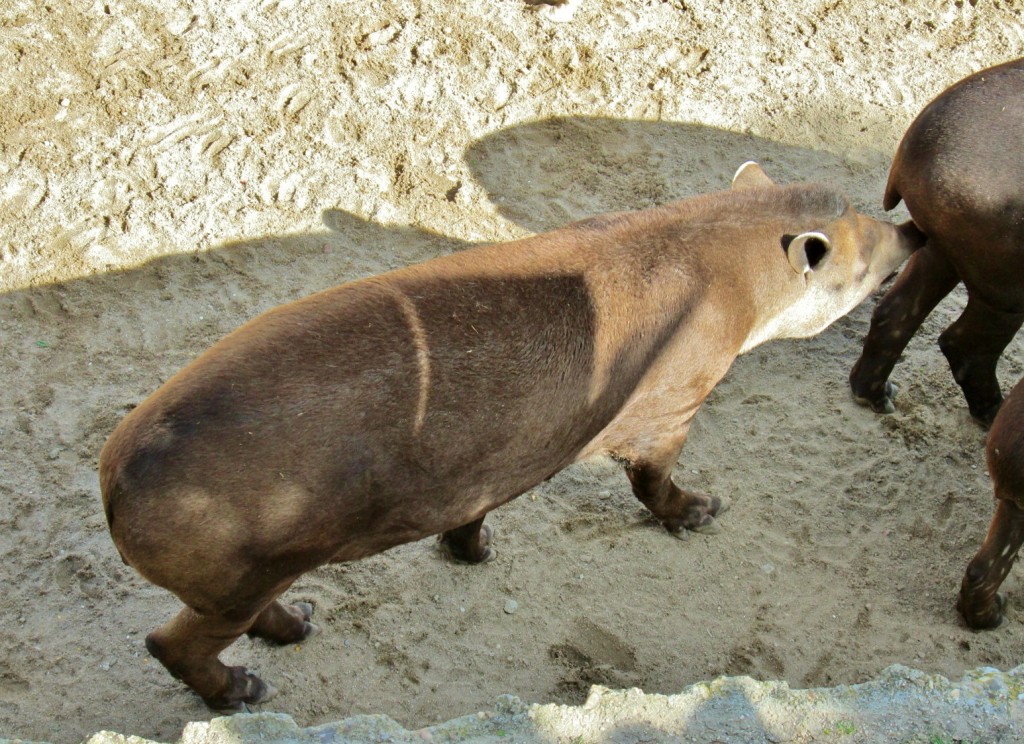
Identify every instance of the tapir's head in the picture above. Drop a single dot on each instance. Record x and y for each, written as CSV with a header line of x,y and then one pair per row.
x,y
828,269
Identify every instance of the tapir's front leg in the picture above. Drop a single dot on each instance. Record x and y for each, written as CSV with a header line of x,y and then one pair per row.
x,y
980,602
678,510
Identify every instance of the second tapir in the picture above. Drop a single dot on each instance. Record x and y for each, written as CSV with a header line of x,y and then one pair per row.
x,y
960,170
411,404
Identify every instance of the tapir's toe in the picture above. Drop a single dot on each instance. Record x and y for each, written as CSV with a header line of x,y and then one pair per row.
x,y
246,689
486,556
469,544
699,515
708,525
305,608
988,618
985,416
884,404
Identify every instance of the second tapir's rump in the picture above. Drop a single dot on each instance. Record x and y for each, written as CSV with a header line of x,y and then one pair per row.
x,y
413,403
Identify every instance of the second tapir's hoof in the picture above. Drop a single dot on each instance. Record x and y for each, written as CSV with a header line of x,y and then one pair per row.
x,y
985,416
988,619
884,404
246,689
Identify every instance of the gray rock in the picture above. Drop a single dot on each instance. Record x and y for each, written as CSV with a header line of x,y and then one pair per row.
x,y
902,705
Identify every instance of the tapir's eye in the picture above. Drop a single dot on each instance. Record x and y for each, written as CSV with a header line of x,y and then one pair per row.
x,y
816,248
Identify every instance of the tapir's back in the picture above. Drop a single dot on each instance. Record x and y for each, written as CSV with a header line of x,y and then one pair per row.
x,y
461,383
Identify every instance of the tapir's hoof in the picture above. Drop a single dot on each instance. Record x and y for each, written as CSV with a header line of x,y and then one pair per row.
x,y
987,620
985,417
705,524
246,689
309,629
709,525
883,405
461,552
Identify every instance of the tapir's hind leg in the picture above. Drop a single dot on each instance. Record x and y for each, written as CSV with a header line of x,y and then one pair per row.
x,y
980,602
469,543
972,346
188,646
927,278
677,509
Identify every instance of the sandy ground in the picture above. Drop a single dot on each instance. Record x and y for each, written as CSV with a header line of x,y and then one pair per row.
x,y
170,169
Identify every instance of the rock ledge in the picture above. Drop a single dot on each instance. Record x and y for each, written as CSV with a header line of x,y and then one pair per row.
x,y
902,705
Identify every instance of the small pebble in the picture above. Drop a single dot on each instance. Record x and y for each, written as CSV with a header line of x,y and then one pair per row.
x,y
511,606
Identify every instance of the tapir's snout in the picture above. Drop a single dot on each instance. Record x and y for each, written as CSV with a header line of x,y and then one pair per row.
x,y
911,236
907,238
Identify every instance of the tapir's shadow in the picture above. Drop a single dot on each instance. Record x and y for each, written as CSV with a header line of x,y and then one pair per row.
x,y
540,175
546,173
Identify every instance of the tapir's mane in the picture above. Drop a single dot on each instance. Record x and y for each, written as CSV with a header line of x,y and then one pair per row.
x,y
817,198
798,200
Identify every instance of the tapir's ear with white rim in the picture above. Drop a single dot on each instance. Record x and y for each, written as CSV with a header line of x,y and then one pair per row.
x,y
806,251
750,176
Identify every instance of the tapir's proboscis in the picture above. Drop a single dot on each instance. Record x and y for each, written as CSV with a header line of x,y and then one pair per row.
x,y
980,602
413,403
960,171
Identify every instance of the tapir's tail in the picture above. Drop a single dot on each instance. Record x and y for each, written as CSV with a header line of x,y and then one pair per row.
x,y
892,194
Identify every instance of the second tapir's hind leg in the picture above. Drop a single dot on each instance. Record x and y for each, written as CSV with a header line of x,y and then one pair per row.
x,y
980,602
972,346
927,278
469,543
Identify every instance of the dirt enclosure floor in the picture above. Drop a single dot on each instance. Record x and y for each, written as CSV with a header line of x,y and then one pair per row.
x,y
170,169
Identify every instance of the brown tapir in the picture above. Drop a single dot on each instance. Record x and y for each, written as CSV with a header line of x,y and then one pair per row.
x,y
411,404
980,603
960,171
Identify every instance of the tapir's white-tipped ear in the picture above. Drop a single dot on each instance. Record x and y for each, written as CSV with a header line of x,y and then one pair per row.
x,y
806,251
750,176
